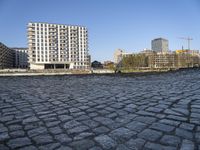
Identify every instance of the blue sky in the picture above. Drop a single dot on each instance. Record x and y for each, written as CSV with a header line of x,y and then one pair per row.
x,y
112,24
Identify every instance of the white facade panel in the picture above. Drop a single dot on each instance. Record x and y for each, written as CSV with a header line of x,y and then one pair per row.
x,y
58,44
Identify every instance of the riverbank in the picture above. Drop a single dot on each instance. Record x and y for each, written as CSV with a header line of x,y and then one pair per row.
x,y
23,72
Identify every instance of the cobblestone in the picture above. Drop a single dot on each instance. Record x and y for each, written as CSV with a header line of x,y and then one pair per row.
x,y
149,134
18,142
42,139
82,144
4,136
184,133
121,134
171,140
78,129
187,145
37,131
155,146
105,141
63,138
97,112
187,126
101,129
135,143
136,126
162,127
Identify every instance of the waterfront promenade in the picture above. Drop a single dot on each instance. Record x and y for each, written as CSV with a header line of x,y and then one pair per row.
x,y
96,112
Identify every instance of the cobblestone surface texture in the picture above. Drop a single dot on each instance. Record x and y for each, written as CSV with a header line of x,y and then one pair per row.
x,y
160,112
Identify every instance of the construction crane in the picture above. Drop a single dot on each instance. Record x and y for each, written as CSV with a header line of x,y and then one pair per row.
x,y
188,39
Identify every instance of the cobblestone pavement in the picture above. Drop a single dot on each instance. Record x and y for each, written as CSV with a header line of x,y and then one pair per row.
x,y
160,112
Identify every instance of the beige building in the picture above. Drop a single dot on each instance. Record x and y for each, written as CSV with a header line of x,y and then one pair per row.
x,y
119,54
147,52
162,60
57,46
6,57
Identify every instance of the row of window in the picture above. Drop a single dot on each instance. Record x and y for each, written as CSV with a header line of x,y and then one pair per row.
x,y
56,26
55,59
61,34
56,41
56,38
62,56
44,46
61,49
61,52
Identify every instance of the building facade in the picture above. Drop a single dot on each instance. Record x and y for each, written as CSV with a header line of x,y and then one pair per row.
x,y
160,45
53,46
147,52
6,57
119,54
21,57
162,60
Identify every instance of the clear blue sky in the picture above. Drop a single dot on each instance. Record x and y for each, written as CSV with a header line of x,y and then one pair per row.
x,y
112,24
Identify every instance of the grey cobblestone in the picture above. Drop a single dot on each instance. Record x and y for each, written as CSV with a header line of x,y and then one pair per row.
x,y
187,126
94,112
55,130
18,133
50,146
3,147
3,129
63,138
91,123
103,120
18,142
30,120
197,136
71,124
64,148
184,133
37,131
105,141
4,136
96,148
171,140
136,126
162,127
14,127
170,122
42,139
155,146
83,135
82,144
149,134
101,129
78,129
135,143
122,147
147,120
121,134
187,145
29,148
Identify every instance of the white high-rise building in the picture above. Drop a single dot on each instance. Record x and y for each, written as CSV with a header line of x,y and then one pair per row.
x,y
160,45
53,46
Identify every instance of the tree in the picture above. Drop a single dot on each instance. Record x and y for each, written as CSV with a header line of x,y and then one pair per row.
x,y
135,61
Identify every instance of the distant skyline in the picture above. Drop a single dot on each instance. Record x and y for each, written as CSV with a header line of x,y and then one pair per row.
x,y
112,24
